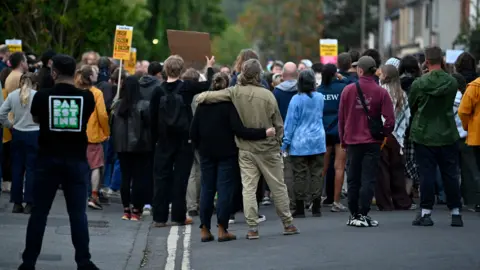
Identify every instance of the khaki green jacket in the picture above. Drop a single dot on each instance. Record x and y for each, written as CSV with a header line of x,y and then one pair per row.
x,y
257,108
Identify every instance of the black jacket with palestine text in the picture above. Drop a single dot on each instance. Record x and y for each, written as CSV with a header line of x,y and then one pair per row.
x,y
63,114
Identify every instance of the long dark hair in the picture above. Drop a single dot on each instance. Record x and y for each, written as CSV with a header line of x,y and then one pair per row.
x,y
129,96
328,74
409,65
306,82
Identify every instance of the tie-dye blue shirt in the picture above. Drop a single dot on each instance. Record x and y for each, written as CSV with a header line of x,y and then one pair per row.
x,y
304,133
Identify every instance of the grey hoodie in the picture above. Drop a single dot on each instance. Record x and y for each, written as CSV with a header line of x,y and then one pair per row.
x,y
284,93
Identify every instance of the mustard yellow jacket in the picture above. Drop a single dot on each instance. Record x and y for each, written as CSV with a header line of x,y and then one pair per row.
x,y
469,112
98,128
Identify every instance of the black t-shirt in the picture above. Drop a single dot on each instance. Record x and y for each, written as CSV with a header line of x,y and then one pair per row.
x,y
63,114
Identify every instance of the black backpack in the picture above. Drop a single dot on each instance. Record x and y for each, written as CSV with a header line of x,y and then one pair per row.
x,y
173,113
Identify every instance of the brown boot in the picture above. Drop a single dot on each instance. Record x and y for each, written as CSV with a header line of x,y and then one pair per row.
x,y
224,235
206,234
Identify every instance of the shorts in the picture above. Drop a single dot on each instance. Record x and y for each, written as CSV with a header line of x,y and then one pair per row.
x,y
332,140
95,156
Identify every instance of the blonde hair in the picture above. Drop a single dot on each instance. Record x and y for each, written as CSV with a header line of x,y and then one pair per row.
x,y
392,81
82,77
27,82
85,57
244,55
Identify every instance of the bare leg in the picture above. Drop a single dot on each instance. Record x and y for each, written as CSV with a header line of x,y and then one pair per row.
x,y
340,160
95,182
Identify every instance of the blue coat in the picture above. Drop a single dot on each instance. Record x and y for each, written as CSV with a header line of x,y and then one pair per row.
x,y
304,134
331,93
283,94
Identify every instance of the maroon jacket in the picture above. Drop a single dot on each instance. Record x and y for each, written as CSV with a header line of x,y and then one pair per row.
x,y
352,120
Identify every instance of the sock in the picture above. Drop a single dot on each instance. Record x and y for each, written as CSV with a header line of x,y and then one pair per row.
x,y
456,211
95,194
426,212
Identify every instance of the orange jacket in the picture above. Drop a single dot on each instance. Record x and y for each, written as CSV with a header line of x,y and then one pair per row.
x,y
469,112
98,128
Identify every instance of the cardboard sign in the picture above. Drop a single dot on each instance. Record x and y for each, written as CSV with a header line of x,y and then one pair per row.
x,y
191,46
132,62
14,45
452,55
123,42
328,51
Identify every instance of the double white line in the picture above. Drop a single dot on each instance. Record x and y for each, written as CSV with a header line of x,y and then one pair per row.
x,y
172,244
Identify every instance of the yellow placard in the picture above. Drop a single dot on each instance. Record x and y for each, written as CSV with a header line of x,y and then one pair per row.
x,y
328,47
123,42
14,45
132,62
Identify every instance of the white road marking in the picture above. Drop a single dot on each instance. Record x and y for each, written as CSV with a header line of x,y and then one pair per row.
x,y
172,248
186,248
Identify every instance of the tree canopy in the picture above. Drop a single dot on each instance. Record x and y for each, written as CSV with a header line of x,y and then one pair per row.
x,y
71,26
284,29
75,26
191,15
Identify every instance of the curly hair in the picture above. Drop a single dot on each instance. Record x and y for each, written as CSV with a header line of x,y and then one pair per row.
x,y
244,55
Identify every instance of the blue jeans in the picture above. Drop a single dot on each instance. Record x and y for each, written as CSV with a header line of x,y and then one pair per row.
x,y
109,162
446,158
24,156
49,174
116,182
1,157
217,175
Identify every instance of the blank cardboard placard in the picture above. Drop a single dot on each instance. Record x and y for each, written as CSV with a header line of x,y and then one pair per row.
x,y
191,46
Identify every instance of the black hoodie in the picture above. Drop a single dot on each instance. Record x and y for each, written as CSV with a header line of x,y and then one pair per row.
x,y
148,84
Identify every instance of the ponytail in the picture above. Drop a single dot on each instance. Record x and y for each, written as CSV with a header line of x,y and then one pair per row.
x,y
26,84
328,74
82,77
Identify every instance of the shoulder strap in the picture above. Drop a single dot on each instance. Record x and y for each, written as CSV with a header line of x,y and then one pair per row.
x,y
362,99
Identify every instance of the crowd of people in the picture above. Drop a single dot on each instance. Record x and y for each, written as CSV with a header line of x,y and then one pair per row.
x,y
176,142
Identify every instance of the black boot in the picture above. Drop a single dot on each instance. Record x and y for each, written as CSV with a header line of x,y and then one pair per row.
x,y
316,210
299,210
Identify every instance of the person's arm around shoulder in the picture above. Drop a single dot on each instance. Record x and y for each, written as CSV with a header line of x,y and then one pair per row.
x,y
387,113
4,110
215,96
467,106
291,121
102,112
241,131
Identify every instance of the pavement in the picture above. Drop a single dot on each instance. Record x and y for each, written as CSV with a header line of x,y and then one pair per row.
x,y
324,243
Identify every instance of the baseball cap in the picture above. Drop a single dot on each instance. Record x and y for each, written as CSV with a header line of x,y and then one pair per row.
x,y
393,61
367,63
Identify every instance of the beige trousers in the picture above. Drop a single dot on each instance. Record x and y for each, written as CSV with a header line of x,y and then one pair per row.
x,y
270,165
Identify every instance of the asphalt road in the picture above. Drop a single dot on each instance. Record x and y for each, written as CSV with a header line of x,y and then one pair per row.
x,y
324,243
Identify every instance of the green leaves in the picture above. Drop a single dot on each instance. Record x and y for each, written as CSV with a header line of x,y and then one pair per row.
x,y
70,26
